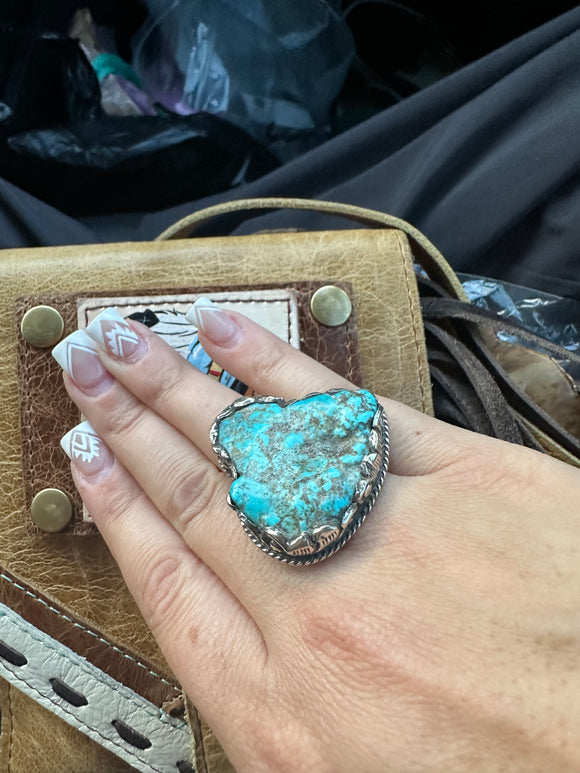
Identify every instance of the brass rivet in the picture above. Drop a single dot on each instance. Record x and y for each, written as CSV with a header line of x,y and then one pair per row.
x,y
51,509
331,306
42,326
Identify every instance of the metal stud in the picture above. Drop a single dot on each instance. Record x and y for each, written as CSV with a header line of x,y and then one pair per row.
x,y
42,326
331,306
51,510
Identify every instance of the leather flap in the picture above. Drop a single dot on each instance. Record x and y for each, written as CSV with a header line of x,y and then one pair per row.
x,y
45,407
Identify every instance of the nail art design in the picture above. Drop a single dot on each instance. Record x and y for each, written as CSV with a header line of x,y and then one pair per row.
x,y
111,331
82,443
193,315
74,351
88,453
211,320
77,356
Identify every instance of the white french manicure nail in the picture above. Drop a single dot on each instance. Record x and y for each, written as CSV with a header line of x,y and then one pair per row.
x,y
193,314
77,356
216,324
64,352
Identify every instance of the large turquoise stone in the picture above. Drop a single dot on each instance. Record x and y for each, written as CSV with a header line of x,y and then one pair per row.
x,y
298,464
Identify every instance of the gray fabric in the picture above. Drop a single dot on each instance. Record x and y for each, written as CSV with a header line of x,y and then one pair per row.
x,y
484,162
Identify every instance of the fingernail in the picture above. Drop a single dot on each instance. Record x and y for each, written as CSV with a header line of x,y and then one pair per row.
x,y
77,355
213,322
116,336
86,450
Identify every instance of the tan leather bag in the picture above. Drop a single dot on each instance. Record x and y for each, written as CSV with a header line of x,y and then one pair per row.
x,y
83,685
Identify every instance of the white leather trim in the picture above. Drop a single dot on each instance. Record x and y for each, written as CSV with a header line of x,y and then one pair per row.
x,y
107,699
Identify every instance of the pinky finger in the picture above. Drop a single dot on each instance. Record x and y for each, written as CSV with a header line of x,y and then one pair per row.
x,y
191,613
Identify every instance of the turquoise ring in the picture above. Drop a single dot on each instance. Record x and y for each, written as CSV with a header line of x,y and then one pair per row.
x,y
305,472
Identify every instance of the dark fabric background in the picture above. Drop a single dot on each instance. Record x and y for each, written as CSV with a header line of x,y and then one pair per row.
x,y
485,162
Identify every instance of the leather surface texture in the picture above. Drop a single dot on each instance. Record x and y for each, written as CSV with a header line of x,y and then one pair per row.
x,y
78,576
46,408
425,251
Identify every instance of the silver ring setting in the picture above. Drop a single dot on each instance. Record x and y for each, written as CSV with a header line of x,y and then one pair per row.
x,y
305,472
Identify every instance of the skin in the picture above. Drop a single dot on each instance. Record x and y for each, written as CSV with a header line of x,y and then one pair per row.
x,y
445,637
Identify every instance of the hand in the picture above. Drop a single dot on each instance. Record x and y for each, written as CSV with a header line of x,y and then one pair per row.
x,y
445,637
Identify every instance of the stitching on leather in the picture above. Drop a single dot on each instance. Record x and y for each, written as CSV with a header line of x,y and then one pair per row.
x,y
28,414
10,728
88,630
94,729
24,359
349,346
414,323
201,765
156,713
126,302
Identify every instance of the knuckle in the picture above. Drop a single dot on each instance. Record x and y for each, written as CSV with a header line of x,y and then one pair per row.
x,y
491,467
283,741
193,493
123,418
356,645
162,583
162,384
341,636
270,363
115,496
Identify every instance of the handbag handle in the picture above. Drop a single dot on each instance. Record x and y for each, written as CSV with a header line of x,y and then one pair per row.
x,y
423,251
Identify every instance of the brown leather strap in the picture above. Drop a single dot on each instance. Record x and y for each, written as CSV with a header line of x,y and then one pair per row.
x,y
423,251
492,383
62,624
448,308
471,389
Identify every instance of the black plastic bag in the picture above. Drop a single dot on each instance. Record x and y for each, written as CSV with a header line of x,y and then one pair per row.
x,y
128,164
44,79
